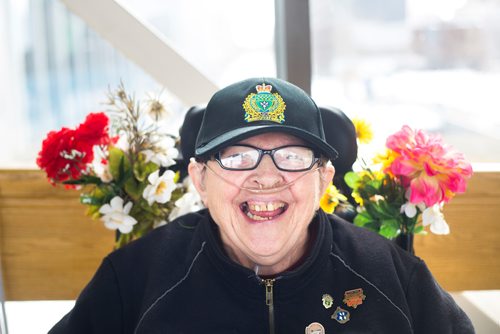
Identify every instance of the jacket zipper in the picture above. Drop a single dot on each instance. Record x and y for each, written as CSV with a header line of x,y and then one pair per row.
x,y
269,283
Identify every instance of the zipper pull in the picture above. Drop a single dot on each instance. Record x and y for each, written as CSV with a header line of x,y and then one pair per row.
x,y
269,290
268,283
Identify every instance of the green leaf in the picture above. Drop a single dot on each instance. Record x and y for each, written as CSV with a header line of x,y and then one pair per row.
x,y
93,211
393,222
143,169
373,226
134,188
123,240
419,230
143,227
99,195
84,179
352,179
370,190
144,207
375,184
90,199
362,219
393,209
119,165
383,210
389,231
177,193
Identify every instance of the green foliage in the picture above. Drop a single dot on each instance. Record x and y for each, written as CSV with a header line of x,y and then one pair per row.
x,y
363,218
119,165
134,188
123,172
352,179
142,168
381,198
84,180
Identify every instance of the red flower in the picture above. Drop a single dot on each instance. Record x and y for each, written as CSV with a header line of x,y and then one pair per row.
x,y
94,131
50,158
66,153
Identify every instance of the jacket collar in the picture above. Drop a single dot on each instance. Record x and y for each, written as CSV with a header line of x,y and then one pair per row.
x,y
248,283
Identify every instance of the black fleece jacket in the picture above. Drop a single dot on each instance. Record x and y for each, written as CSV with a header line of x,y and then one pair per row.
x,y
178,279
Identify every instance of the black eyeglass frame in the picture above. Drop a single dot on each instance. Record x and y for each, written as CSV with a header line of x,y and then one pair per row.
x,y
271,152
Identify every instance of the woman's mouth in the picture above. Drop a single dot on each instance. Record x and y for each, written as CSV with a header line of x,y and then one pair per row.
x,y
261,211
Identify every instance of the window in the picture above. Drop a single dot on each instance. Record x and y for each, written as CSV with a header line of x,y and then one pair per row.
x,y
227,40
55,70
59,69
433,65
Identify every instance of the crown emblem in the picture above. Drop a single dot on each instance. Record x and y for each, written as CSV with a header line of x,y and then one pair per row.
x,y
264,106
263,88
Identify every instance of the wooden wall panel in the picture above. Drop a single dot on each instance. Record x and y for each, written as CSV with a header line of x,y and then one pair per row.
x,y
50,249
469,257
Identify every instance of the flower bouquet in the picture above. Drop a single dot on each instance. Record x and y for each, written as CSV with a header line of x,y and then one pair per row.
x,y
405,189
124,165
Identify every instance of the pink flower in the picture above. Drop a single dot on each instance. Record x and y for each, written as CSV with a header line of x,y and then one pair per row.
x,y
433,171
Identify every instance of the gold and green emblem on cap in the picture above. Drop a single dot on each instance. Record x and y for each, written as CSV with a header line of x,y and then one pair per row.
x,y
264,106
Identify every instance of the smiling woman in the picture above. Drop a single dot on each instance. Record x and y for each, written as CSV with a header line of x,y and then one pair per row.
x,y
263,216
434,70
262,254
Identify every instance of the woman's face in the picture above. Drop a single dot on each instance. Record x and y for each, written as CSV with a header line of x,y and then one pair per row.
x,y
268,229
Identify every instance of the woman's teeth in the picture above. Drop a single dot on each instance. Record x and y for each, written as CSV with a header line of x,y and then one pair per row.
x,y
255,217
266,207
263,211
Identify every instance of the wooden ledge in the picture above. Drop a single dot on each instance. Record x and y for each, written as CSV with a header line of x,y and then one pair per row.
x,y
50,249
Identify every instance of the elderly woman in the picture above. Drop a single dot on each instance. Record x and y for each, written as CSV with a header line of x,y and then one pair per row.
x,y
262,258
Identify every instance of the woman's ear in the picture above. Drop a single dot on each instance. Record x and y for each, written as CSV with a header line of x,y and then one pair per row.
x,y
326,176
196,171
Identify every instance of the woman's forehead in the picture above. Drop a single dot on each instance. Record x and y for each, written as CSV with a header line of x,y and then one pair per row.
x,y
272,139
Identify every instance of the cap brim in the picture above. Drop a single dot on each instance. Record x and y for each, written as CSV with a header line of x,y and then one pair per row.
x,y
234,136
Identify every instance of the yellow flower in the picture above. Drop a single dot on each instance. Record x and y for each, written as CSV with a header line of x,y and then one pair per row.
x,y
385,159
331,198
357,198
364,131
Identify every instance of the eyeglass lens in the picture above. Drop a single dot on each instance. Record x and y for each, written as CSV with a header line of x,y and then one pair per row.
x,y
291,158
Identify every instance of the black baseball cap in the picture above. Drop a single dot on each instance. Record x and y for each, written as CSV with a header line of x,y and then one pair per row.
x,y
260,105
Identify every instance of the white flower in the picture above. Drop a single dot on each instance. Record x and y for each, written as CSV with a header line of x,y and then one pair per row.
x,y
434,217
410,209
189,202
115,215
122,142
155,106
101,166
160,188
377,198
164,153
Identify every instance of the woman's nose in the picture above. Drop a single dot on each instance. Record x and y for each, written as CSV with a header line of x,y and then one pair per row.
x,y
266,175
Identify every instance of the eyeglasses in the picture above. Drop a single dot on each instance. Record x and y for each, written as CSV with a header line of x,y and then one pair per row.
x,y
291,158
